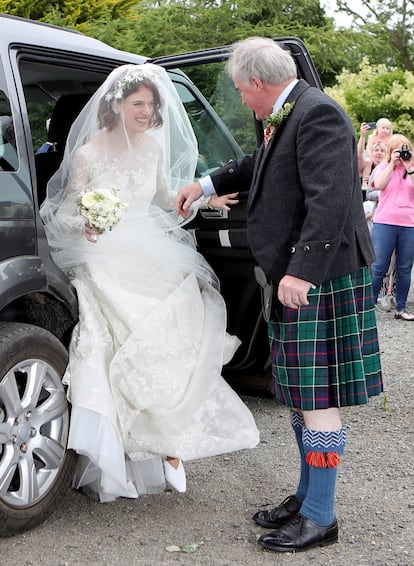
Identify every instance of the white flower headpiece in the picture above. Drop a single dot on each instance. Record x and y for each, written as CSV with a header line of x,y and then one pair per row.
x,y
131,78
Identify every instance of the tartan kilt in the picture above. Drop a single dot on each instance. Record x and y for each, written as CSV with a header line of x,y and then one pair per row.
x,y
326,354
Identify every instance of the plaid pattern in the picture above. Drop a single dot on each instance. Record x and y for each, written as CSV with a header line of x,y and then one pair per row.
x,y
326,354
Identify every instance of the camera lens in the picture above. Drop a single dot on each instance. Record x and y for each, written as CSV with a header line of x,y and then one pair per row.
x,y
405,153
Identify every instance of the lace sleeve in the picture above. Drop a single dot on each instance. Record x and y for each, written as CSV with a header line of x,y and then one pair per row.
x,y
67,214
203,203
164,198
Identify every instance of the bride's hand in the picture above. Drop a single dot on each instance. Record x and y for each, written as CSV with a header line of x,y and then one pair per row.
x,y
91,233
225,201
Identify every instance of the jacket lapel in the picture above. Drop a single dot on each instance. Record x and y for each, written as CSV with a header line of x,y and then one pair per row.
x,y
265,153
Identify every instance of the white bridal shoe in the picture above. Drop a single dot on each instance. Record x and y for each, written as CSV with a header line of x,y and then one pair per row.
x,y
175,477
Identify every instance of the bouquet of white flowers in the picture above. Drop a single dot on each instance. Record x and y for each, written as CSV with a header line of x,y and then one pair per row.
x,y
101,208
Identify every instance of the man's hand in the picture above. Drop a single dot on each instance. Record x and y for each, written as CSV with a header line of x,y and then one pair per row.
x,y
293,292
185,198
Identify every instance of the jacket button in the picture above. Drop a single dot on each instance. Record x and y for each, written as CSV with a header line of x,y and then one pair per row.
x,y
231,170
306,248
327,246
292,250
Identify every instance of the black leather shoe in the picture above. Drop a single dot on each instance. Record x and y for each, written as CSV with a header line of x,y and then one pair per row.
x,y
298,535
279,516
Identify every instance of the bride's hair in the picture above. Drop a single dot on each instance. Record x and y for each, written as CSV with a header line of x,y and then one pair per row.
x,y
120,90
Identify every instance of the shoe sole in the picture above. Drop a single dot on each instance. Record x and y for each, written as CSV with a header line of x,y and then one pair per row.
x,y
277,548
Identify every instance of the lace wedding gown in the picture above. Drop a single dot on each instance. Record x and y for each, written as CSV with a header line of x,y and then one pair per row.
x,y
144,376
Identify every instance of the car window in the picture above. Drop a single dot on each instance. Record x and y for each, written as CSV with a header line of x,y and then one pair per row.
x,y
223,126
216,113
54,94
216,146
213,80
39,114
17,233
8,152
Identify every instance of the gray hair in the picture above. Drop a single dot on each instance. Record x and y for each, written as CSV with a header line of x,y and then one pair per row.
x,y
261,57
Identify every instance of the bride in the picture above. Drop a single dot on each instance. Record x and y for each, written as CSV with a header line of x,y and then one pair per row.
x,y
144,373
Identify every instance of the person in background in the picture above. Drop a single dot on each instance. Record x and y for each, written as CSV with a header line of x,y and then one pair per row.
x,y
393,228
382,133
48,145
364,162
369,207
368,158
308,233
386,299
378,155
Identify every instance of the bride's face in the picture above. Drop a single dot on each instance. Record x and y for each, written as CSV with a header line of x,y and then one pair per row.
x,y
138,109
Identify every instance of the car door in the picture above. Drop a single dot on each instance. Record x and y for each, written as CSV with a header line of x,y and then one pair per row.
x,y
220,236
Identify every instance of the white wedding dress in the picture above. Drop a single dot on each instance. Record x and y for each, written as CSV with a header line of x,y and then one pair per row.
x,y
144,376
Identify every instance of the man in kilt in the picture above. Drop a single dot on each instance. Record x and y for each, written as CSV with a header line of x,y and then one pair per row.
x,y
308,234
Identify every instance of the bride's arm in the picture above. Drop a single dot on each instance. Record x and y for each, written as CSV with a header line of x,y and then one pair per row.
x,y
67,215
164,198
63,222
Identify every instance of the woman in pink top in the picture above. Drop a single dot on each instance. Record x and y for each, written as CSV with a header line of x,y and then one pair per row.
x,y
394,220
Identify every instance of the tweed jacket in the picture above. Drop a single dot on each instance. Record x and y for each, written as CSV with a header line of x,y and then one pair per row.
x,y
305,213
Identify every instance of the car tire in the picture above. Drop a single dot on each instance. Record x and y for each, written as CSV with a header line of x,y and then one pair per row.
x,y
35,466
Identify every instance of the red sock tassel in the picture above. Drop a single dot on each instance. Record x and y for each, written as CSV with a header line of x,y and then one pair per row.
x,y
316,459
323,459
332,459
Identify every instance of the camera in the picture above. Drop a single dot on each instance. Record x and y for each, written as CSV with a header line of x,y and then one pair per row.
x,y
405,153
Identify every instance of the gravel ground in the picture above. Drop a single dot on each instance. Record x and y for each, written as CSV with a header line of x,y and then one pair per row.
x,y
375,499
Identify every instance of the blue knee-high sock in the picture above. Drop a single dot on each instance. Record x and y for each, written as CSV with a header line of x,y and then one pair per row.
x,y
322,454
296,420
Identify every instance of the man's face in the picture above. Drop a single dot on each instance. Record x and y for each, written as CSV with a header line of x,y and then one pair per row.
x,y
253,96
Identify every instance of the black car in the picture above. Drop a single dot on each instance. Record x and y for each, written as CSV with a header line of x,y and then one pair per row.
x,y
46,76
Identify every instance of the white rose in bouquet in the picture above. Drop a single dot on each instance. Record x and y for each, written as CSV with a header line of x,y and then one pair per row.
x,y
101,208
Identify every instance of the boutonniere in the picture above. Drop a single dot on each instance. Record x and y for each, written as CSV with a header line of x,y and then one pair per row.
x,y
277,118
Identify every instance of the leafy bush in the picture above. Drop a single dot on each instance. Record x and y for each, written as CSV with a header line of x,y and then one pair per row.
x,y
376,92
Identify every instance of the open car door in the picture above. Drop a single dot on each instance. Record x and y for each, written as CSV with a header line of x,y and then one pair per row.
x,y
227,130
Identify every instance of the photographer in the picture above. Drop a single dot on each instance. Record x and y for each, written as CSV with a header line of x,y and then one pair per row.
x,y
394,220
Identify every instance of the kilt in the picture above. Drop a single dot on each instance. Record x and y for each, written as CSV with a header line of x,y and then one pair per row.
x,y
326,354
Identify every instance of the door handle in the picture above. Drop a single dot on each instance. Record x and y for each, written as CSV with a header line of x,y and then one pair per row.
x,y
215,213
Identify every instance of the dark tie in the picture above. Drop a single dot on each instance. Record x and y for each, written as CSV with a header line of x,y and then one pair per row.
x,y
268,133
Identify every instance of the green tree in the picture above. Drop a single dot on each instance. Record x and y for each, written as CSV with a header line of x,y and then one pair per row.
x,y
32,9
111,21
170,27
164,27
375,92
385,28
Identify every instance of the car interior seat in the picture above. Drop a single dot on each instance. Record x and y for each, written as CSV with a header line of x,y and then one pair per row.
x,y
66,109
